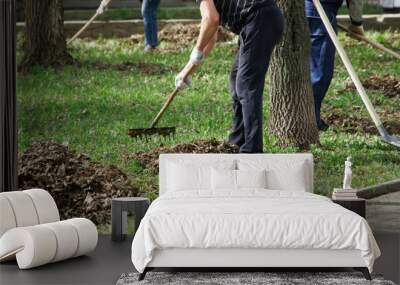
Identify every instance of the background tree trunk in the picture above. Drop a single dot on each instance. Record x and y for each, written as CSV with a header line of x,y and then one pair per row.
x,y
292,115
45,39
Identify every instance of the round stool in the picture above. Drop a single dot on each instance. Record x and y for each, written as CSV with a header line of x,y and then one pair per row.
x,y
119,209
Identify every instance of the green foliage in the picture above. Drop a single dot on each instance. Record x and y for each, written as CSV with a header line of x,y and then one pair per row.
x,y
368,9
91,108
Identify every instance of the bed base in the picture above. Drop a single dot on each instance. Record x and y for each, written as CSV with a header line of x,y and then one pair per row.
x,y
363,270
242,259
143,274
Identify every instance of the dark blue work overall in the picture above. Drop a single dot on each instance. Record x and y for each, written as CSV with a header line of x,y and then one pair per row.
x,y
322,59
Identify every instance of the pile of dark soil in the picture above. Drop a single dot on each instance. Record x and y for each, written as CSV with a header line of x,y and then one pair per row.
x,y
149,159
183,34
187,33
389,85
179,34
352,124
80,187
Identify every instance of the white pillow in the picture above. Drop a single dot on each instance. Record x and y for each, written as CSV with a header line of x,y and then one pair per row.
x,y
281,174
184,176
225,179
251,179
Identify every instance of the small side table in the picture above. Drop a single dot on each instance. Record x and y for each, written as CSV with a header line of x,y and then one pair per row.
x,y
119,209
355,205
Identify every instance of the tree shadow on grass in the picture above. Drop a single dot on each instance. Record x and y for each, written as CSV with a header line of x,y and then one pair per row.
x,y
146,68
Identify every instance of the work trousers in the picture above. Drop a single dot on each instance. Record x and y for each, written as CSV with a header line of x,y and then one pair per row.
x,y
149,13
261,32
322,57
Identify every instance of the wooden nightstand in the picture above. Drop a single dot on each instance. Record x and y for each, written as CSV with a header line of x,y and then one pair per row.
x,y
355,205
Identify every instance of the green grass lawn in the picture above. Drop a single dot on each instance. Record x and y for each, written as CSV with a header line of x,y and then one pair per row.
x,y
91,109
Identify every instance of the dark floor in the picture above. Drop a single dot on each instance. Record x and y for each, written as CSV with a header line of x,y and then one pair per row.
x,y
110,260
103,266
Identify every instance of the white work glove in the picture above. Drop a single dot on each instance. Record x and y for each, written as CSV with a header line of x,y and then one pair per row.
x,y
103,7
180,83
196,57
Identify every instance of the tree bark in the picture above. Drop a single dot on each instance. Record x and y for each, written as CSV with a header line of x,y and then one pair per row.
x,y
45,38
292,115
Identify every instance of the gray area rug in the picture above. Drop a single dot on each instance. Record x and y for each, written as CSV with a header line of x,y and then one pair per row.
x,y
236,278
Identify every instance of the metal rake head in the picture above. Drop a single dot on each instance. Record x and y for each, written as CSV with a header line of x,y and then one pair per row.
x,y
389,139
392,140
148,132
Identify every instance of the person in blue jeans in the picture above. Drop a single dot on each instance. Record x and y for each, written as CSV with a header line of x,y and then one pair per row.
x,y
149,13
322,59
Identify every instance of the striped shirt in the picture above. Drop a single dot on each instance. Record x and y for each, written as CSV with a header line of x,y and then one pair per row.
x,y
233,13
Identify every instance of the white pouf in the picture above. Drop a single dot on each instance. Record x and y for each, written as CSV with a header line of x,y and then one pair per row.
x,y
23,208
7,220
45,205
87,233
33,246
67,240
31,233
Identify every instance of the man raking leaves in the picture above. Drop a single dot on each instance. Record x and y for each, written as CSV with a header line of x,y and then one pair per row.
x,y
385,136
259,24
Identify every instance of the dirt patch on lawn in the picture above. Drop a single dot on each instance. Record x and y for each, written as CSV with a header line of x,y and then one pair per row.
x,y
352,124
80,187
136,38
146,68
149,159
389,85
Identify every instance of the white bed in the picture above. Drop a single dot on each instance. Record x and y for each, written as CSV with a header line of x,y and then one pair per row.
x,y
202,221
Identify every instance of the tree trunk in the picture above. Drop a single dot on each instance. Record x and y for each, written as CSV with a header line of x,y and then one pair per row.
x,y
45,39
292,115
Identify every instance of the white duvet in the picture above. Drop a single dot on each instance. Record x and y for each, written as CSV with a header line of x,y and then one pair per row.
x,y
250,219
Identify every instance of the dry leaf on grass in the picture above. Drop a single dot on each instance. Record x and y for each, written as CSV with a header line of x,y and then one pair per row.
x,y
149,159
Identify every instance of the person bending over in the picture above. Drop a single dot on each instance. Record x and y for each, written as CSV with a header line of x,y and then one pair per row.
x,y
322,59
259,24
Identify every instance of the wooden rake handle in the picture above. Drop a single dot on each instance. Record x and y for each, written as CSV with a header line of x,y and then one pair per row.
x,y
373,43
171,97
78,33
